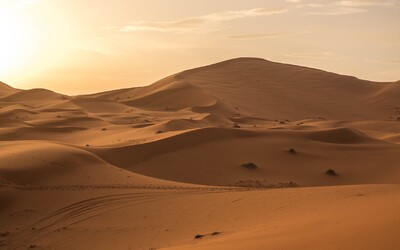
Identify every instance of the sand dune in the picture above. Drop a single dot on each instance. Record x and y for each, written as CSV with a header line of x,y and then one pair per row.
x,y
253,85
188,157
45,163
168,96
33,97
243,154
6,89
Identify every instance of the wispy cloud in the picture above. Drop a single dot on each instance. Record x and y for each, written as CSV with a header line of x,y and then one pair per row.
x,y
256,36
383,61
335,11
316,55
343,7
184,25
359,3
204,23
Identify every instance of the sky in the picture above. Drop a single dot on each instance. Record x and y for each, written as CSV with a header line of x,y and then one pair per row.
x,y
86,46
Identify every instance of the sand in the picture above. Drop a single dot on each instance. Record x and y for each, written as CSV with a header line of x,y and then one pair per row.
x,y
242,154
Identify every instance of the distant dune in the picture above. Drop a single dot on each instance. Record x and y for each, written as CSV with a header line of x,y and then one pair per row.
x,y
242,154
257,87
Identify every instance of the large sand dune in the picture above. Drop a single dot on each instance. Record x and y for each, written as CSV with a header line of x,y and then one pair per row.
x,y
245,154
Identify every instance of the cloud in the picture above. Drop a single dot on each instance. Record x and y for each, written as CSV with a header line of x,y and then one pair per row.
x,y
383,61
204,23
336,11
256,36
329,9
185,25
359,3
316,55
344,7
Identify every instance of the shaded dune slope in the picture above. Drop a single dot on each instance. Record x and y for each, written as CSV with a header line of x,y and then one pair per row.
x,y
47,163
213,156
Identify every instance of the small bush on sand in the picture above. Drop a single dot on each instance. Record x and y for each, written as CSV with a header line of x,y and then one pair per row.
x,y
249,165
331,172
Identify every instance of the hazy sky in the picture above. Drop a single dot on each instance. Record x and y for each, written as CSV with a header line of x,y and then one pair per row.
x,y
81,46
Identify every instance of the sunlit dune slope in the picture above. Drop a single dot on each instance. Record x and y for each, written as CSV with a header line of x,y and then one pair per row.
x,y
257,87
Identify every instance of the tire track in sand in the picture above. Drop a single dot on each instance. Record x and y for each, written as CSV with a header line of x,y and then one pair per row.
x,y
89,208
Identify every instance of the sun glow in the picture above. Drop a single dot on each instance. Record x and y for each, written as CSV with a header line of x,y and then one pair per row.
x,y
17,41
57,44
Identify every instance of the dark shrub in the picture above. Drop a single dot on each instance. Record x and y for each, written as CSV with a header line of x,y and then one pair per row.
x,y
249,165
331,172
